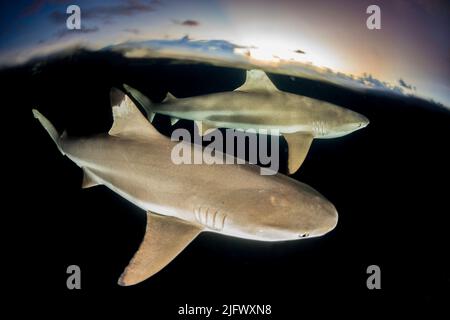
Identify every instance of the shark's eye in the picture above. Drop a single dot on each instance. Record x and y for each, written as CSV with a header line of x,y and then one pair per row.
x,y
304,235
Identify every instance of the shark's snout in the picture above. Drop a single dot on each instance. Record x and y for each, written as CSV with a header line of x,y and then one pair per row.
x,y
363,121
356,122
328,220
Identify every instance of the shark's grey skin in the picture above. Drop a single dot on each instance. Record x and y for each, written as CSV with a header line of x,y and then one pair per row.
x,y
133,160
258,104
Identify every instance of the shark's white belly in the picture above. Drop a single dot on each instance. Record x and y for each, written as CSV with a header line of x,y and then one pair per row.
x,y
134,170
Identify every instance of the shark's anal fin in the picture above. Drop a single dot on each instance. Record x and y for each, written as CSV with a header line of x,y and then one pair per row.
x,y
204,127
165,237
257,80
299,144
88,179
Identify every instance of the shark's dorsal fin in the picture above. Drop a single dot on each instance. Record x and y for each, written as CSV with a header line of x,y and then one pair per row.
x,y
128,120
257,80
299,144
165,237
169,97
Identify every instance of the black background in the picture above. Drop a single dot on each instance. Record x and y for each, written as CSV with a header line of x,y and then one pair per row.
x,y
388,181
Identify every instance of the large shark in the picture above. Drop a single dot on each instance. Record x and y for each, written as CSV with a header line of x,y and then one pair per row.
x,y
258,104
181,201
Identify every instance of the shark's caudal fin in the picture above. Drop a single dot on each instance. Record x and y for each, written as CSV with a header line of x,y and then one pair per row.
x,y
128,120
146,103
165,237
142,100
54,134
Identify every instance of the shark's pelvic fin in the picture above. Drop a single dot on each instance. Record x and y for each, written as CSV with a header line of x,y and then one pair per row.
x,y
173,120
204,127
128,120
151,116
165,237
88,179
257,80
299,144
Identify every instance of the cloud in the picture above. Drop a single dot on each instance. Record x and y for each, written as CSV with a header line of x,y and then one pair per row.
x,y
432,7
369,81
132,30
36,6
66,32
406,85
224,53
125,8
188,23
58,17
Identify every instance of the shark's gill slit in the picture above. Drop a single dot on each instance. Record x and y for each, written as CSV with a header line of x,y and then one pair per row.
x,y
223,221
214,219
196,214
210,217
207,216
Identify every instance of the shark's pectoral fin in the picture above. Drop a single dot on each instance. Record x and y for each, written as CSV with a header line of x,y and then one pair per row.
x,y
151,116
165,237
257,80
173,121
204,127
88,179
299,144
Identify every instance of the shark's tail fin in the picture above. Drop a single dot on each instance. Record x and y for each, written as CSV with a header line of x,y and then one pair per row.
x,y
54,134
142,100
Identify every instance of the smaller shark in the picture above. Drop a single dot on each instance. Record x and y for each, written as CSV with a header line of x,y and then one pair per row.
x,y
258,104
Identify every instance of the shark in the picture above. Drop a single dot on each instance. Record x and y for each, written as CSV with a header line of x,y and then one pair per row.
x,y
258,104
181,201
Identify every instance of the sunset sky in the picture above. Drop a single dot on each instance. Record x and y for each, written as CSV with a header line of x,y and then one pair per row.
x,y
412,44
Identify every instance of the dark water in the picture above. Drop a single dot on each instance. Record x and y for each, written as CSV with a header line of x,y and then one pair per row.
x,y
388,181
